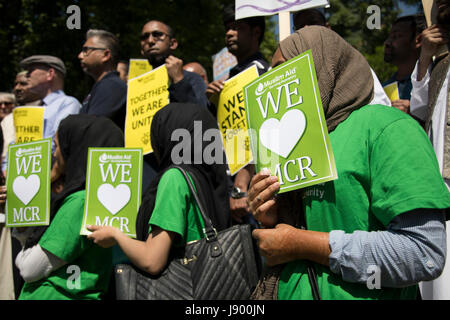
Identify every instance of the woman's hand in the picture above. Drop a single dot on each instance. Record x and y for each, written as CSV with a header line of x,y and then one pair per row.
x,y
263,188
104,236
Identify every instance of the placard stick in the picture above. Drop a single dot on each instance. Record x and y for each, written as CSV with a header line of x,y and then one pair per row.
x,y
284,24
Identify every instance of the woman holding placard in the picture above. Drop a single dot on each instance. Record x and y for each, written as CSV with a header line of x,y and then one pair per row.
x,y
377,230
169,215
57,262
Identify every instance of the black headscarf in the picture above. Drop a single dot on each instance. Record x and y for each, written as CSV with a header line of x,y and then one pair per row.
x,y
210,179
76,134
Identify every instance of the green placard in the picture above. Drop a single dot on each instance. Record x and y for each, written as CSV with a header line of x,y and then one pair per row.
x,y
113,189
288,132
28,184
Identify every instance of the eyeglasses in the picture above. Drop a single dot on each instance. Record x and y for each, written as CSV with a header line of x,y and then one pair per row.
x,y
157,35
6,103
87,50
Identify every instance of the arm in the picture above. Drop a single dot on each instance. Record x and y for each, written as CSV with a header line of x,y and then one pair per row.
x,y
36,263
239,207
419,235
150,256
190,88
412,249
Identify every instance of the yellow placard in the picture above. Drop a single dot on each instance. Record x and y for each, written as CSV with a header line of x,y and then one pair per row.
x,y
146,95
232,119
138,67
392,91
29,123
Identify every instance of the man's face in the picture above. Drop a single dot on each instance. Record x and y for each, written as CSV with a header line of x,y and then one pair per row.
x,y
238,37
443,17
156,44
39,79
92,56
400,44
22,90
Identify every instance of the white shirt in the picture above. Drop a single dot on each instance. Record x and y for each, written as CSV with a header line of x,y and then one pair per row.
x,y
418,108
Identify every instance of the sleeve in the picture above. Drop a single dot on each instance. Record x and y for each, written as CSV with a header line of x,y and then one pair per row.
x,y
379,95
407,179
35,263
412,249
191,89
62,238
108,99
419,94
171,204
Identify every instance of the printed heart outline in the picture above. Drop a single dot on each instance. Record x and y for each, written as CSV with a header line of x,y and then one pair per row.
x,y
26,189
113,199
278,136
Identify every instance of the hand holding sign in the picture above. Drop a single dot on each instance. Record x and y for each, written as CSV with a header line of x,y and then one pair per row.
x,y
28,184
288,128
113,189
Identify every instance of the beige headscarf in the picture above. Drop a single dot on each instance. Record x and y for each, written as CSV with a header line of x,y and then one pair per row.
x,y
345,84
344,76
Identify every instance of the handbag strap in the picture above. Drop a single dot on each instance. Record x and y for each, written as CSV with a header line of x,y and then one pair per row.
x,y
209,230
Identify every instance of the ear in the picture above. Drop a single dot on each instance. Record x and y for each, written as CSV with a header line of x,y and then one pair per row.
x,y
173,44
257,32
106,55
51,74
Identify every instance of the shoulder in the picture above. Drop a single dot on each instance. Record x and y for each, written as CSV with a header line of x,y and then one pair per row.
x,y
174,178
75,199
112,81
379,116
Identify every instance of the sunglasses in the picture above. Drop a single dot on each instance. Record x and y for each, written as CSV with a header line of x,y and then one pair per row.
x,y
157,35
6,103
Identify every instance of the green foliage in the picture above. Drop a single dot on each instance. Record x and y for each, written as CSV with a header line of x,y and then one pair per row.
x,y
30,27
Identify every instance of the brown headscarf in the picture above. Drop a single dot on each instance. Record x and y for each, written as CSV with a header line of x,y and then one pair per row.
x,y
345,84
344,76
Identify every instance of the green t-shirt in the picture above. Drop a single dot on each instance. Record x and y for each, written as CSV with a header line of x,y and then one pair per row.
x,y
175,209
386,166
63,239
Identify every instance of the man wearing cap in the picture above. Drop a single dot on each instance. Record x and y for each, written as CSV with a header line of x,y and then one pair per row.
x,y
46,78
98,57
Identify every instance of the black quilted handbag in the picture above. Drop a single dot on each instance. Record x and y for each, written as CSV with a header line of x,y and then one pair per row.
x,y
221,266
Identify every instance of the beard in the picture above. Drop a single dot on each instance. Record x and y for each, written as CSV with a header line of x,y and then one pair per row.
x,y
156,60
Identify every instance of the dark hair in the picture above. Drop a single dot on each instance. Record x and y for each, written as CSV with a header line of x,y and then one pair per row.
x,y
310,17
417,22
228,14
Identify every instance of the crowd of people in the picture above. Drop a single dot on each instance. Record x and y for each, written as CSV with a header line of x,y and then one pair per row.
x,y
388,209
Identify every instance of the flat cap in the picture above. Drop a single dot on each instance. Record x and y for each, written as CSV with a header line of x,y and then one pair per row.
x,y
51,61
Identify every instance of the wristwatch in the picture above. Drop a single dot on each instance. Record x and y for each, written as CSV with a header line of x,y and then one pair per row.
x,y
236,193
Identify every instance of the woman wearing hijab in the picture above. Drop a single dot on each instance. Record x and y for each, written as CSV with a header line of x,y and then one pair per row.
x,y
57,262
168,215
377,230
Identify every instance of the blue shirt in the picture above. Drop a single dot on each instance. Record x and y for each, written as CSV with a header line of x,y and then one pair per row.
x,y
404,86
57,107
